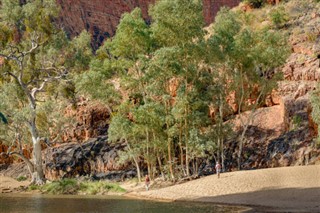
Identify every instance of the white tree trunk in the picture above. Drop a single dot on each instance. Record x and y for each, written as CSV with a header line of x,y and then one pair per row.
x,y
138,169
38,174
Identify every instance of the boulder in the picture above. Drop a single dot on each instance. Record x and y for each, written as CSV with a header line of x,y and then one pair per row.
x,y
91,158
90,121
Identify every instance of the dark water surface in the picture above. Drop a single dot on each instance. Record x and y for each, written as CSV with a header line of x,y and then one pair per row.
x,y
17,203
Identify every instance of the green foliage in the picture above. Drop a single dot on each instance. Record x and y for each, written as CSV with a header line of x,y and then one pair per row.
x,y
13,106
154,119
37,55
160,82
132,37
296,121
34,187
176,22
248,55
21,178
97,83
312,36
315,103
72,186
65,186
93,188
33,15
120,126
279,17
80,52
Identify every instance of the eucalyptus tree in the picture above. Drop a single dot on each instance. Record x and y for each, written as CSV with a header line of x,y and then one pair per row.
x,y
259,61
123,59
148,60
116,64
122,128
148,126
36,54
248,58
220,49
15,131
132,46
177,29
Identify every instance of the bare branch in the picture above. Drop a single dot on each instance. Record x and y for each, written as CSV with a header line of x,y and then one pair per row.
x,y
26,160
49,69
34,91
34,45
9,57
13,75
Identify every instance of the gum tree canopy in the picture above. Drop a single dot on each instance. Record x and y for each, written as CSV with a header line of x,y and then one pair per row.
x,y
34,54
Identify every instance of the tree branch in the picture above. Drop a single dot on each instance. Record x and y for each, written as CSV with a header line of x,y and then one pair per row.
x,y
26,160
34,91
11,56
34,46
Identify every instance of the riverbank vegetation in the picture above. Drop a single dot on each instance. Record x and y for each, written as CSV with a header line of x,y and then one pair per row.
x,y
73,186
36,58
169,86
176,79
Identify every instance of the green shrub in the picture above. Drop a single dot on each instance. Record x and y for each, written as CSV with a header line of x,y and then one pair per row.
x,y
279,17
312,36
297,120
34,187
21,178
65,186
72,186
93,188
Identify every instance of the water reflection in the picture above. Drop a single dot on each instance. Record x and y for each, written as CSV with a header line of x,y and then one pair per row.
x,y
98,204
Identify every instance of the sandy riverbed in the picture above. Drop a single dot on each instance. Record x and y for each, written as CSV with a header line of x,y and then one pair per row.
x,y
8,184
289,189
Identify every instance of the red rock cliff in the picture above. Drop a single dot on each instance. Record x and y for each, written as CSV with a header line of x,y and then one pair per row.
x,y
101,17
211,8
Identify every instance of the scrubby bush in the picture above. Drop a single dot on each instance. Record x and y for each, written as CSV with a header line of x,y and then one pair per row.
x,y
21,178
93,188
279,17
65,186
72,186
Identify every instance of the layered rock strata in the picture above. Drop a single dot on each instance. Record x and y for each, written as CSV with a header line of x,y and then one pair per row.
x,y
101,17
95,158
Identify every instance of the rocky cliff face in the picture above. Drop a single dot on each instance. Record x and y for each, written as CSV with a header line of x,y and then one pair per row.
x,y
212,7
101,17
284,135
90,121
302,70
280,135
95,158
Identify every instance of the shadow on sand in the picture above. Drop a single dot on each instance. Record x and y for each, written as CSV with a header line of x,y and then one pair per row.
x,y
273,200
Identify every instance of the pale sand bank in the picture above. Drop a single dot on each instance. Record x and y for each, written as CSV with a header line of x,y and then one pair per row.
x,y
286,189
8,184
289,189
